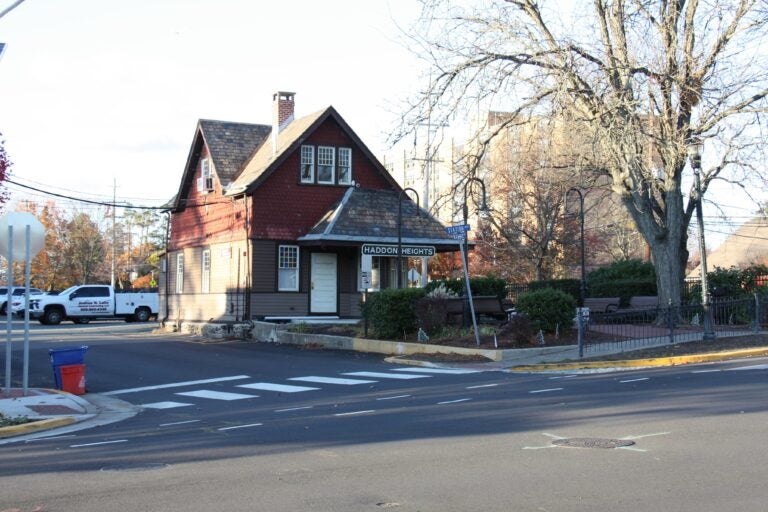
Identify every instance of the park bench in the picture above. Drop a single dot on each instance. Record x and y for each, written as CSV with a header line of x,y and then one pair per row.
x,y
644,302
489,306
602,304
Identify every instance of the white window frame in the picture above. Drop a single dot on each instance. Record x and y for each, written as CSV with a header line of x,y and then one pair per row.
x,y
308,162
345,166
205,265
326,160
288,264
180,272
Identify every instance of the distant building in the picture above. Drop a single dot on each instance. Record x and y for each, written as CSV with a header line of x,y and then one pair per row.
x,y
746,246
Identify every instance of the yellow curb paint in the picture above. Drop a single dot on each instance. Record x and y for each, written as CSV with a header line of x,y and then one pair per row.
x,y
35,426
658,361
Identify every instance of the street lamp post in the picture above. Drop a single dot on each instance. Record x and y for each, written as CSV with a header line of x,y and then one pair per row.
x,y
695,147
464,255
400,232
583,284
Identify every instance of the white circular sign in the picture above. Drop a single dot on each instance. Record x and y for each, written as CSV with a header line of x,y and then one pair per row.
x,y
20,221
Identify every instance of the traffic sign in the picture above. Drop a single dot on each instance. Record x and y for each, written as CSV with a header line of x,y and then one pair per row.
x,y
458,229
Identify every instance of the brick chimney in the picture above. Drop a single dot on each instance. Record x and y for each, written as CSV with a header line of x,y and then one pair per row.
x,y
282,113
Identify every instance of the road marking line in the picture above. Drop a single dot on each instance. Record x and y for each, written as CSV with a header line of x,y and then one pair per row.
x,y
294,409
545,390
632,438
753,367
563,377
449,371
633,380
354,413
241,426
175,385
387,375
706,371
393,397
332,380
454,401
482,386
216,395
97,444
177,423
164,405
280,388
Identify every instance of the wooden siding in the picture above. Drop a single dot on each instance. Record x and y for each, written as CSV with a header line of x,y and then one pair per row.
x,y
282,208
279,304
208,217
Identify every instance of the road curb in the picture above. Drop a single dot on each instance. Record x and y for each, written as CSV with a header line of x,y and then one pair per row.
x,y
634,363
35,426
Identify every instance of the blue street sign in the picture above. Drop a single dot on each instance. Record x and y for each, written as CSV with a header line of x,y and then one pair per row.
x,y
458,229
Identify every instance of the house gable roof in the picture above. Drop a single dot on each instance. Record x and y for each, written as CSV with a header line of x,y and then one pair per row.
x,y
229,145
746,246
266,159
370,216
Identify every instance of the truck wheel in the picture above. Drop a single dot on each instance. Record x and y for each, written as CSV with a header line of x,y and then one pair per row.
x,y
4,309
83,320
142,315
53,316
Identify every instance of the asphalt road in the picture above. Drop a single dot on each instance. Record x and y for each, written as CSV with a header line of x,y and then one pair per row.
x,y
231,426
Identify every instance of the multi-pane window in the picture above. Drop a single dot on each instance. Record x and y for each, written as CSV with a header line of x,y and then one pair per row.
x,y
288,268
180,273
307,164
325,164
206,267
345,166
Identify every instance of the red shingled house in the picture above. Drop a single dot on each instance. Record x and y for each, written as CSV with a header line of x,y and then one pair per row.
x,y
269,221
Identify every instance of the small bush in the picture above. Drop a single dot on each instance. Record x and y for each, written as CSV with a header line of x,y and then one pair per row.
x,y
518,329
391,313
569,286
548,309
431,313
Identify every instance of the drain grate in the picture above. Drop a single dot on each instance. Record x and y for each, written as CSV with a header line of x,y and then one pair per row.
x,y
592,442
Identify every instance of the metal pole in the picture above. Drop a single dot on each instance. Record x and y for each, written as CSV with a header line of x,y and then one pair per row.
x,y
709,333
465,254
8,324
400,232
27,271
583,283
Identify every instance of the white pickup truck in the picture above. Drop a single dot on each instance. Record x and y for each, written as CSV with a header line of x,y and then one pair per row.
x,y
85,302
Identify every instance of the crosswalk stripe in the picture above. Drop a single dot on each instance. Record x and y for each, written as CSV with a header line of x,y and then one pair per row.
x,y
402,376
281,388
164,405
216,395
332,380
447,371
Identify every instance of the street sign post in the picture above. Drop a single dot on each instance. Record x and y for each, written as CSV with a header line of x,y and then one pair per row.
x,y
391,250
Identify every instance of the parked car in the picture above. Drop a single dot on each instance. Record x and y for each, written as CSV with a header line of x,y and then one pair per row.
x,y
17,298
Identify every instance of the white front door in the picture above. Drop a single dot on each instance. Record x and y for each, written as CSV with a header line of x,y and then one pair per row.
x,y
322,298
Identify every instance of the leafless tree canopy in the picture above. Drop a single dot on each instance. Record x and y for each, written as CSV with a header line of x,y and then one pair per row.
x,y
642,77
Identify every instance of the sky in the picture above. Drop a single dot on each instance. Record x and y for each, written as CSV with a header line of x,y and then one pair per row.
x,y
101,97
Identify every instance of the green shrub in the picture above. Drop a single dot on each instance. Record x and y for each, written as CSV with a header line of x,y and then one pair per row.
x,y
623,269
391,313
548,309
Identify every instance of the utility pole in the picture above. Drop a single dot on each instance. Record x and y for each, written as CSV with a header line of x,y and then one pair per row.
x,y
114,235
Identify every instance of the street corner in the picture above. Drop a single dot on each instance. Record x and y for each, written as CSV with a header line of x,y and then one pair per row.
x,y
35,426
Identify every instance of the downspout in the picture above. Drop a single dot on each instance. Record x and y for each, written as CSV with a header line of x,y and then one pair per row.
x,y
247,290
167,267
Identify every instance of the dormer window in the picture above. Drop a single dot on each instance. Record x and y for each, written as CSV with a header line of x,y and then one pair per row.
x,y
334,165
205,181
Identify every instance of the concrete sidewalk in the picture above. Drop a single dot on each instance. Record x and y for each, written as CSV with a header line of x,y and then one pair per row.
x,y
49,409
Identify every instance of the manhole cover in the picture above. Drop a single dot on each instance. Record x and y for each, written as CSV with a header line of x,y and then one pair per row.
x,y
136,467
592,442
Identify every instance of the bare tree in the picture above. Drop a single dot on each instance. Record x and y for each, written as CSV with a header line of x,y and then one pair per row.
x,y
10,7
643,77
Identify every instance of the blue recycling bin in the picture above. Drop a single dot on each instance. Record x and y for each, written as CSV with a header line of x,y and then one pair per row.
x,y
64,357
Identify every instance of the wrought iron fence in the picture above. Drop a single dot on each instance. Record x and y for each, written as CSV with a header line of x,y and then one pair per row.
x,y
652,327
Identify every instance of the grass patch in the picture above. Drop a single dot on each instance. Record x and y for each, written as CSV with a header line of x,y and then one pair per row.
x,y
8,421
